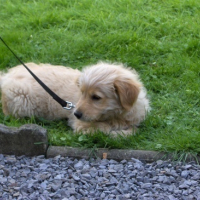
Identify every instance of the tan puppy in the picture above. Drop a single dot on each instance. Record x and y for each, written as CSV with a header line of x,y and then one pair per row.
x,y
108,97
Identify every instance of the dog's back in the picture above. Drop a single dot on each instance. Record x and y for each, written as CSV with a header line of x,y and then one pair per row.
x,y
22,96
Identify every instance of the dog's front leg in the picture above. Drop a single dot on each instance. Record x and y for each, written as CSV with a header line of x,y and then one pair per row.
x,y
123,132
93,127
90,127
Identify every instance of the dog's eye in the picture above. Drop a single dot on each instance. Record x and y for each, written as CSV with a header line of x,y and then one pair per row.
x,y
95,97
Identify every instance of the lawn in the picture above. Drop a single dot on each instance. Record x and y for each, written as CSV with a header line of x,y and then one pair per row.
x,y
160,39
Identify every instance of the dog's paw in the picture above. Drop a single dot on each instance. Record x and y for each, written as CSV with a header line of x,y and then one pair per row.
x,y
87,127
123,132
84,129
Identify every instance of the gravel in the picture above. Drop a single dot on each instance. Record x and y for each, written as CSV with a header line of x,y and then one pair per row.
x,y
69,179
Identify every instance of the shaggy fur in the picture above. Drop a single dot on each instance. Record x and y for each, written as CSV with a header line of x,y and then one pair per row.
x,y
108,97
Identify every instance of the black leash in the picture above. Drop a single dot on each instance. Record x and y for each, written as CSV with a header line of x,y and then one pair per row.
x,y
65,104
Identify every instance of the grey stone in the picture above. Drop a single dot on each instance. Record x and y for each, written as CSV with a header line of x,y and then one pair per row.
x,y
126,189
131,175
11,159
42,176
146,185
12,181
102,167
29,139
147,180
115,192
87,176
61,192
159,162
127,196
104,162
3,179
43,185
184,173
100,172
171,197
123,161
188,166
118,167
78,165
59,176
167,181
112,171
113,162
161,179
191,197
113,180
173,173
196,176
93,173
190,182
83,192
16,194
71,191
43,166
56,184
76,178
183,186
138,166
70,198
140,179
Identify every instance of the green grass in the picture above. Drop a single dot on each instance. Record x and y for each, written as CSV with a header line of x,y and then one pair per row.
x,y
160,39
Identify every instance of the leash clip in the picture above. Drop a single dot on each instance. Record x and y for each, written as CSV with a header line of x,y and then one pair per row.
x,y
69,105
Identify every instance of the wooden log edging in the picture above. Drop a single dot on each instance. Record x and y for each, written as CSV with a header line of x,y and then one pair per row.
x,y
115,154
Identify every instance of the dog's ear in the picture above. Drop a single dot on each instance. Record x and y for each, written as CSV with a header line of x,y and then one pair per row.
x,y
128,92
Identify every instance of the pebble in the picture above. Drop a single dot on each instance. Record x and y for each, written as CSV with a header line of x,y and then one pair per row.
x,y
184,173
66,178
146,185
79,165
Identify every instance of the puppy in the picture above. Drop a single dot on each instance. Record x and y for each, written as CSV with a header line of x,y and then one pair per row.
x,y
108,97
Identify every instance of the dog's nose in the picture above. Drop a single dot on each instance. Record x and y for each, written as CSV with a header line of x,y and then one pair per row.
x,y
78,114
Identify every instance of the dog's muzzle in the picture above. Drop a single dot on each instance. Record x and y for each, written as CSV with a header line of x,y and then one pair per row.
x,y
78,114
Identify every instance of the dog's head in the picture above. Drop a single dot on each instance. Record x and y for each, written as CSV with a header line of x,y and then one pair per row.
x,y
107,91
